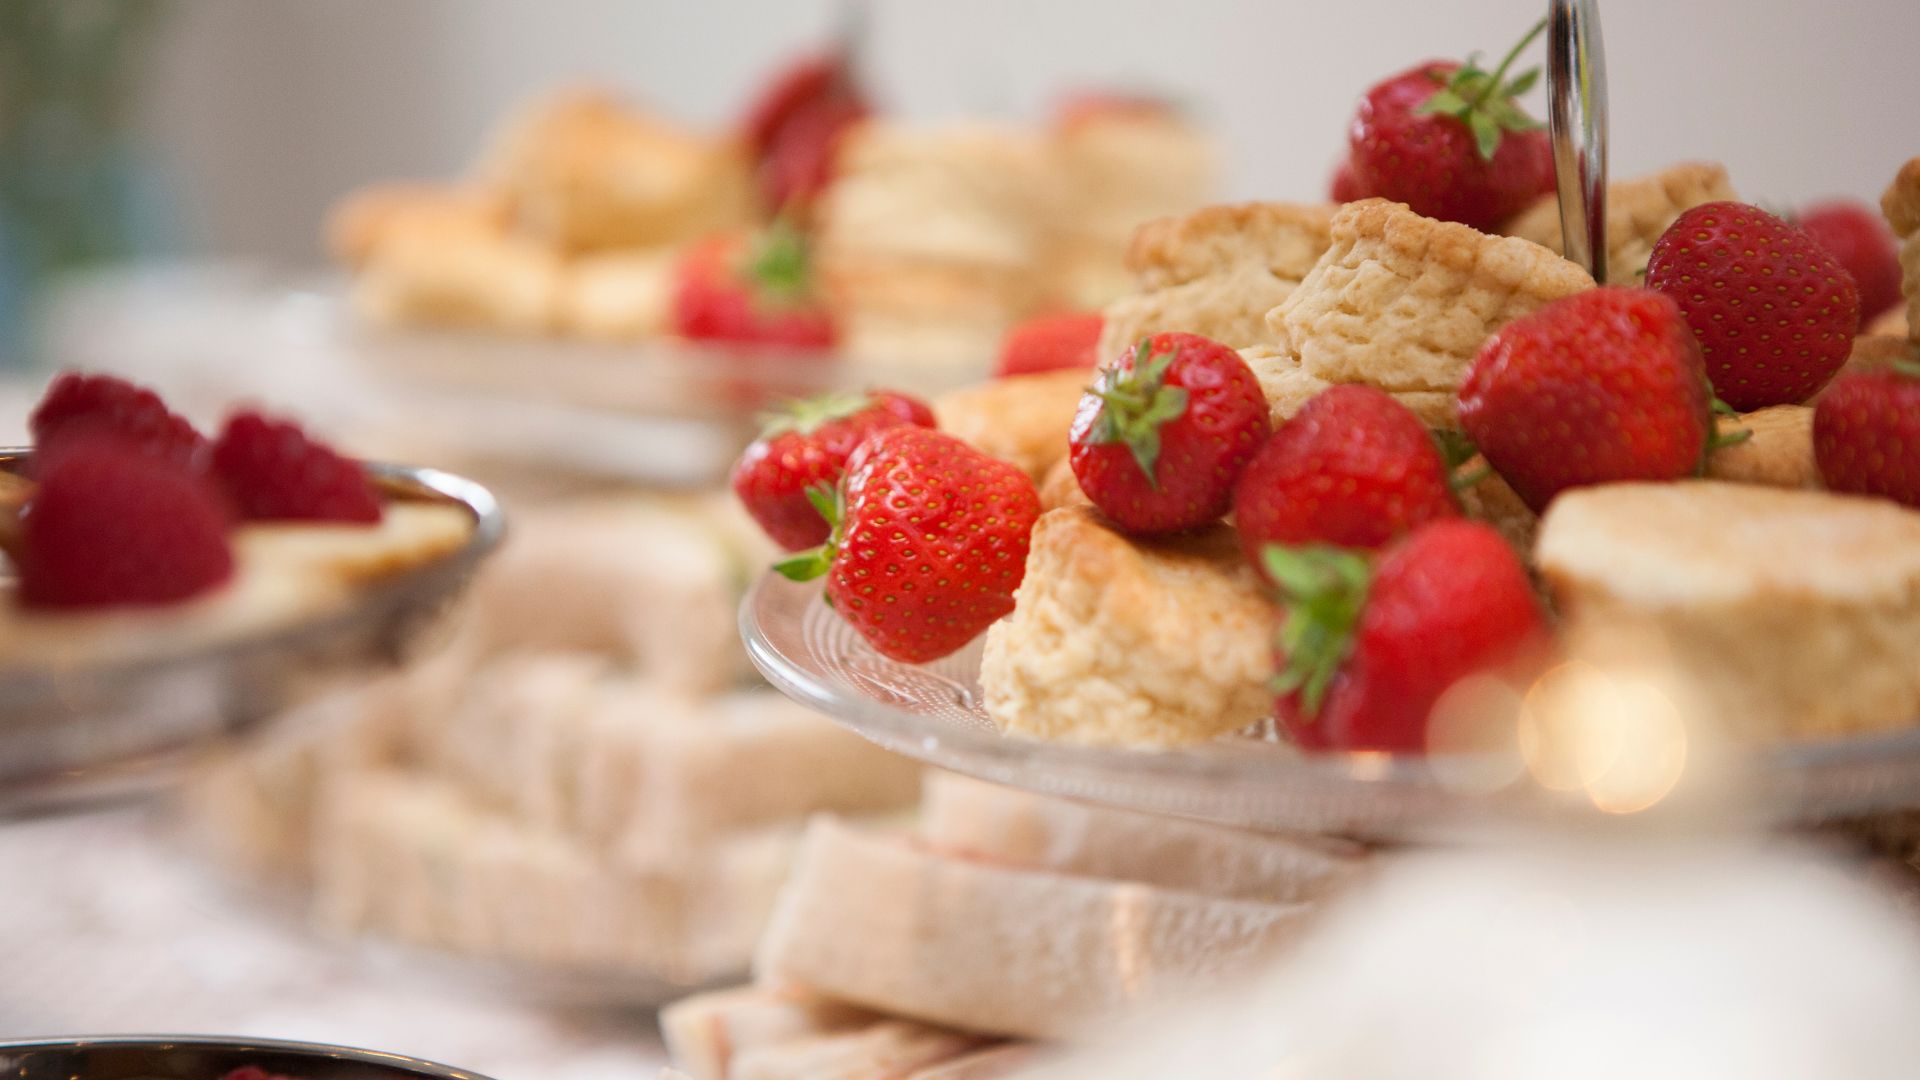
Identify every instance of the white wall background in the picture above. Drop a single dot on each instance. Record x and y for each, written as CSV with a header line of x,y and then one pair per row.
x,y
267,109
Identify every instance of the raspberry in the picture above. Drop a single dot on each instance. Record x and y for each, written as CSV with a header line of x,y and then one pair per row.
x,y
110,525
76,406
274,472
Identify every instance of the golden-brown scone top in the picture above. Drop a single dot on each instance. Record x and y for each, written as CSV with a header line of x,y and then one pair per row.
x,y
1770,612
1284,238
1874,351
1216,272
1060,487
1778,451
1403,302
1638,211
364,220
620,295
1288,387
1894,323
1901,204
585,171
1115,641
469,274
1023,419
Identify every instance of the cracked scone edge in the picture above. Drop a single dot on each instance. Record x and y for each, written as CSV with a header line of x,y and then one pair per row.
x,y
1285,239
1901,204
1403,302
1638,212
1118,643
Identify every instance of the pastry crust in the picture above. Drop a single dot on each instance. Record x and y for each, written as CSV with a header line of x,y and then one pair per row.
x,y
1778,453
1023,419
1403,302
364,220
1119,642
585,171
1638,211
1216,272
1061,487
1288,387
1770,613
1901,204
461,273
1285,239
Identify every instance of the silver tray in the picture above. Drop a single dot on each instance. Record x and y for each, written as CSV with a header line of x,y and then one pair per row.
x,y
192,1057
934,713
81,734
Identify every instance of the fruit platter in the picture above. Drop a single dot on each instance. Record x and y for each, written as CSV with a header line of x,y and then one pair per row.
x,y
169,589
1458,527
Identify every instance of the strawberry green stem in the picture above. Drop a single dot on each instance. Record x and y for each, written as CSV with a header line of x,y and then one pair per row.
x,y
1499,78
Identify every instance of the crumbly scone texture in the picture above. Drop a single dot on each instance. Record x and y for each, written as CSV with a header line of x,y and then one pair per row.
x,y
1023,419
366,218
462,271
1114,641
1770,613
1638,211
1777,453
1894,323
1901,204
1285,239
1403,302
1228,307
1288,387
620,297
1871,352
1060,487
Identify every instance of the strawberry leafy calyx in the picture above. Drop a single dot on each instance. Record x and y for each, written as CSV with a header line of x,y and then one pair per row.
x,y
1456,450
1324,589
1136,403
1906,368
778,266
1718,439
1487,101
804,416
814,562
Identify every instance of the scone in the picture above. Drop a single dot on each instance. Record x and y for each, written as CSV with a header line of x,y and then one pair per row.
x,y
1023,419
367,218
1773,613
1288,387
453,271
1778,451
587,172
1216,272
1403,302
1118,642
1901,204
1638,211
1060,487
620,296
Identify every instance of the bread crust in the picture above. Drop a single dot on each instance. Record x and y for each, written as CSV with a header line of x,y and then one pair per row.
x,y
1403,302
1023,419
1285,239
1901,204
1778,451
1114,641
1638,212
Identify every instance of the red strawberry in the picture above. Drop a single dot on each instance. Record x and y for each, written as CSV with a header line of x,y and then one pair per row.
x,y
274,471
1866,433
762,296
1162,435
1452,142
929,542
1365,653
1774,311
1050,343
110,525
801,454
1601,386
77,406
794,125
1860,239
1345,186
1354,468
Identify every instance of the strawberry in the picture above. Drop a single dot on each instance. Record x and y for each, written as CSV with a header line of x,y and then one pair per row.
x,y
751,294
1365,652
1452,142
929,542
1860,239
1354,468
274,471
1050,343
77,406
1162,435
801,454
1345,185
110,525
1866,433
1774,311
794,126
1601,386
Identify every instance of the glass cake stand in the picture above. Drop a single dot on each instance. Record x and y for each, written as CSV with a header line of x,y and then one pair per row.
x,y
84,733
934,713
